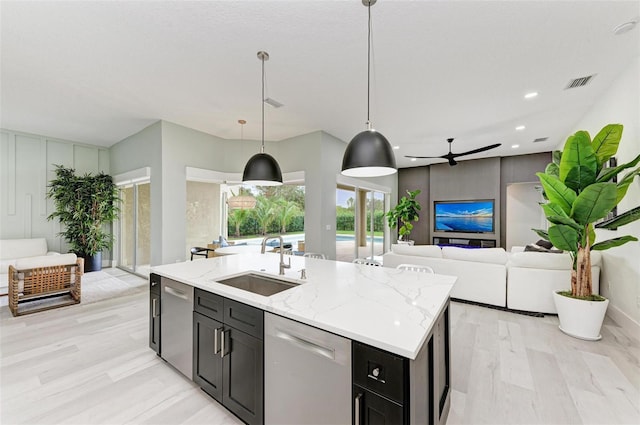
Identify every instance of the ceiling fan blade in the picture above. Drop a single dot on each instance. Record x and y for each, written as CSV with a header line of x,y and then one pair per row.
x,y
486,148
423,157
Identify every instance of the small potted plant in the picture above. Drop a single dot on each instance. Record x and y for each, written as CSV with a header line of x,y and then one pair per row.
x,y
580,191
405,212
84,205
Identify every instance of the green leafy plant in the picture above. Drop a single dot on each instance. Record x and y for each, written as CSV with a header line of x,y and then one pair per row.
x,y
405,212
580,191
84,204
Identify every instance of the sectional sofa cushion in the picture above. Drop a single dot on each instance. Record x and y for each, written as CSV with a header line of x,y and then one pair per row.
x,y
547,260
483,255
13,249
19,248
432,251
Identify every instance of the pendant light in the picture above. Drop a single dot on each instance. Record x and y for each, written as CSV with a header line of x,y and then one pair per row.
x,y
369,153
241,202
262,169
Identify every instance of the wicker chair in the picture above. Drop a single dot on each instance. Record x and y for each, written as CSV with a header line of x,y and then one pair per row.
x,y
56,277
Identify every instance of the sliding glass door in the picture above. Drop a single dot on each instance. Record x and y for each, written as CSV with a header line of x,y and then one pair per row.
x,y
360,223
134,242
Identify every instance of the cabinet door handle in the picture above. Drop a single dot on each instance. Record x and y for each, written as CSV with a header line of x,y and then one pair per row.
x,y
223,350
215,340
153,308
356,408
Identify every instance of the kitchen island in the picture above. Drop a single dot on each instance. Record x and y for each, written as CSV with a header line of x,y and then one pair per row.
x,y
395,324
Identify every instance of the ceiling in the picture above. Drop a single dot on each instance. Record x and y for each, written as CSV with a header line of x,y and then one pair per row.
x,y
97,72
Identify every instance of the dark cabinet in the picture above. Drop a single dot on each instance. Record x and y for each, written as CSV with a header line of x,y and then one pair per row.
x,y
207,362
243,376
391,389
372,409
154,312
380,386
228,354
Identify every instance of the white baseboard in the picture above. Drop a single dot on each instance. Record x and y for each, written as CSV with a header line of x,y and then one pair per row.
x,y
622,319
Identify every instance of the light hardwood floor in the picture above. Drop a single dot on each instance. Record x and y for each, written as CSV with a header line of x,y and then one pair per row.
x,y
90,364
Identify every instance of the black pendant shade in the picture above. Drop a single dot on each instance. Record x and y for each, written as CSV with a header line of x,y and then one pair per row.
x,y
262,170
368,154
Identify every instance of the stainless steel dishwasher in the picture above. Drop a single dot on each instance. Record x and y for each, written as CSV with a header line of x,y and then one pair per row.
x,y
176,329
307,374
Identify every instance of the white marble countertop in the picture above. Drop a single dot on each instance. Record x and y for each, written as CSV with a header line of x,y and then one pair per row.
x,y
384,307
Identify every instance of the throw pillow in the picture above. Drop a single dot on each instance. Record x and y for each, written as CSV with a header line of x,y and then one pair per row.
x,y
544,244
536,247
223,242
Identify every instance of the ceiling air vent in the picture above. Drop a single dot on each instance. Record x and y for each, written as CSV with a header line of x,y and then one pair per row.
x,y
579,82
540,139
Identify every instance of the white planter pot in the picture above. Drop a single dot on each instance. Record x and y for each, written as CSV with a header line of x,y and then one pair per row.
x,y
579,318
401,242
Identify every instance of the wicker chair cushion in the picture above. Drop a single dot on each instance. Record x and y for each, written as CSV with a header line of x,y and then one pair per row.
x,y
43,261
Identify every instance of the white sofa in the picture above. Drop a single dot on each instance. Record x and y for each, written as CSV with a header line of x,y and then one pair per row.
x,y
482,273
517,280
11,250
533,276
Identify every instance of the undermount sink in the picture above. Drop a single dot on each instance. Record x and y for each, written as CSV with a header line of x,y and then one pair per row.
x,y
258,284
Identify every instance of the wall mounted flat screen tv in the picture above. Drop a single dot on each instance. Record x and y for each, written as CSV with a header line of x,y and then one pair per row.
x,y
464,216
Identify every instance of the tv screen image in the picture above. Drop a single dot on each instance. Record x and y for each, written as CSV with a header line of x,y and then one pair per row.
x,y
464,216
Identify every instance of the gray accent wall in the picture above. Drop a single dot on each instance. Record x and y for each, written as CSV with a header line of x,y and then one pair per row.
x,y
410,179
469,180
27,164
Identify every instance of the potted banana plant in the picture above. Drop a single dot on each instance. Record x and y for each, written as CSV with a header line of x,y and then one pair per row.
x,y
405,212
580,190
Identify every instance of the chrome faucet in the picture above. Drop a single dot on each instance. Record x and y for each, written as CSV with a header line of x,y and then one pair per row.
x,y
282,264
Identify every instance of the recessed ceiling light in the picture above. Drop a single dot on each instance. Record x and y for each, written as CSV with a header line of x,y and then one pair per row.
x,y
515,146
626,27
531,95
414,159
520,127
395,148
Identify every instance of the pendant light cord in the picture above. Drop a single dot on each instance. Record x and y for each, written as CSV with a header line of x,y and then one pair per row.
x,y
368,65
262,99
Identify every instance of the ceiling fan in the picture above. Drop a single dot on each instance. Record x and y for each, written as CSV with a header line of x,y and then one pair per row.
x,y
451,156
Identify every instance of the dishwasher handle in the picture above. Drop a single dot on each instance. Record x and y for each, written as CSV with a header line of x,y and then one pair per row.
x,y
176,292
329,353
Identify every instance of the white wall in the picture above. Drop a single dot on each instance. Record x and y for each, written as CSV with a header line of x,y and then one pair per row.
x,y
26,167
620,279
169,148
144,149
523,213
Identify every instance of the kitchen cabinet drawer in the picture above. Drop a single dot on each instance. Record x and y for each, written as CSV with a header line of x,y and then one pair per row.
x,y
208,304
245,318
380,371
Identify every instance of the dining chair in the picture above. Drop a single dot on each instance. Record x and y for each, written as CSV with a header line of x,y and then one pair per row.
x,y
416,268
